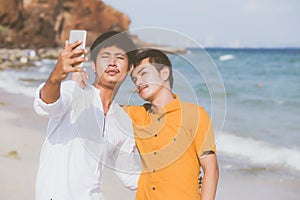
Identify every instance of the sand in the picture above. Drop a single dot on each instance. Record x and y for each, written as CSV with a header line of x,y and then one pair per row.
x,y
21,138
22,134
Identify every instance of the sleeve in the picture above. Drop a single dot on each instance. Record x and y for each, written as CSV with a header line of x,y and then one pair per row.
x,y
128,164
57,108
125,158
204,140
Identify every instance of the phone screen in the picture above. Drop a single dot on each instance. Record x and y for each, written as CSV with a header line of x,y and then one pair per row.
x,y
78,35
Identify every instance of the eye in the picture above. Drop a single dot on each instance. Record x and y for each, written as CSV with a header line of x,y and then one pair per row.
x,y
143,73
104,56
121,57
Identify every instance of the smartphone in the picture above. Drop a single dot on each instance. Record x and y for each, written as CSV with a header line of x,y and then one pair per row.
x,y
78,35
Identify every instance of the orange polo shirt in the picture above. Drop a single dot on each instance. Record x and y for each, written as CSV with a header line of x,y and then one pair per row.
x,y
171,141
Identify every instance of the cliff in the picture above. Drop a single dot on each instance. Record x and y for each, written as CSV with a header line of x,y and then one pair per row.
x,y
42,23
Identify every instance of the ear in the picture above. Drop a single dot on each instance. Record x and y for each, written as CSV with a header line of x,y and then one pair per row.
x,y
165,73
93,66
130,69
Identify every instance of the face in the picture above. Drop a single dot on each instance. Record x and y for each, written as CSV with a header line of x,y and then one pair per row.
x,y
111,66
148,81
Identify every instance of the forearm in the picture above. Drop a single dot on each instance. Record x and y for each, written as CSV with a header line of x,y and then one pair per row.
x,y
50,92
69,57
210,182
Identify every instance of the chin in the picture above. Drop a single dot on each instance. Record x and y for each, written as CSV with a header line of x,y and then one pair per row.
x,y
113,80
146,97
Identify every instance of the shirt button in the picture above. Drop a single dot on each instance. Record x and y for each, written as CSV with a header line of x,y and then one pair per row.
x,y
153,188
158,119
155,135
153,170
174,139
154,152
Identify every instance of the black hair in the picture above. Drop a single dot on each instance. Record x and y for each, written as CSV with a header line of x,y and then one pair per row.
x,y
159,60
114,38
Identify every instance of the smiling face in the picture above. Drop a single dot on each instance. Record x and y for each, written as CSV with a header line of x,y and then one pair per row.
x,y
111,67
150,84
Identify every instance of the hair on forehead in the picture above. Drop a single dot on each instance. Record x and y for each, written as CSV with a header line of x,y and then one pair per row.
x,y
157,58
114,38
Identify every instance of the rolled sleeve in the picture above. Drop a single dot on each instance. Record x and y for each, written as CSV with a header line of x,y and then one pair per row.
x,y
205,141
57,108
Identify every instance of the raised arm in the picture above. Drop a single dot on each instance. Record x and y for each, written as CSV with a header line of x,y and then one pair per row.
x,y
67,59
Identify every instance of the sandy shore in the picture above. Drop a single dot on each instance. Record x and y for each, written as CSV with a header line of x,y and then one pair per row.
x,y
22,133
21,138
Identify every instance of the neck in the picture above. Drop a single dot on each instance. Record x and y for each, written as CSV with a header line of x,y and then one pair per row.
x,y
162,99
107,95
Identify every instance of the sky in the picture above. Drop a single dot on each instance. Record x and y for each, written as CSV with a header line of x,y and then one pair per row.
x,y
222,23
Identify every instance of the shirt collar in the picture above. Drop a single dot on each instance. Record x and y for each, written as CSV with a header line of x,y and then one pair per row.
x,y
172,106
113,107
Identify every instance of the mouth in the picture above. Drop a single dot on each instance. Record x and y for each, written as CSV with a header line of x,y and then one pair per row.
x,y
112,71
142,88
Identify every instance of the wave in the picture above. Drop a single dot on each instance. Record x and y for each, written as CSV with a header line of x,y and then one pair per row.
x,y
259,152
292,102
226,57
17,83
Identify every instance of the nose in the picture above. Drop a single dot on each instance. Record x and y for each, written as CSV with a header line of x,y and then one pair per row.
x,y
112,61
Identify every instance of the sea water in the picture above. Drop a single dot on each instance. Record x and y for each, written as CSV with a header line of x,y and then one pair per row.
x,y
254,93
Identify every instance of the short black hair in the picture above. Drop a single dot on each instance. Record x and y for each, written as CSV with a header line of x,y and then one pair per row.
x,y
156,57
114,38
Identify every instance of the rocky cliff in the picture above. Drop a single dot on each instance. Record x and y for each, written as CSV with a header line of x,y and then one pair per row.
x,y
44,23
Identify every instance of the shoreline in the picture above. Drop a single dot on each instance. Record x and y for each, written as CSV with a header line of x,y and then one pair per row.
x,y
22,134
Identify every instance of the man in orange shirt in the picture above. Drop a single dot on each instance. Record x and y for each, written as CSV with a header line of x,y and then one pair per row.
x,y
174,138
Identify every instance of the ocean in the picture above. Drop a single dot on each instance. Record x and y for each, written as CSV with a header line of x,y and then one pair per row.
x,y
252,95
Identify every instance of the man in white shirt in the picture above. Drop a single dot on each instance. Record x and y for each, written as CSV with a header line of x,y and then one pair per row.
x,y
87,128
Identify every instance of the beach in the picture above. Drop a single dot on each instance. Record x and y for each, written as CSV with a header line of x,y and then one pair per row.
x,y
258,147
21,138
22,135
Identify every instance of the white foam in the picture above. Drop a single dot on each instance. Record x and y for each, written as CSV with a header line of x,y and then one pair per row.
x,y
259,152
226,57
9,82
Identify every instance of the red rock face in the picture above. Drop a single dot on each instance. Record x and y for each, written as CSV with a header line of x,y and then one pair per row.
x,y
43,23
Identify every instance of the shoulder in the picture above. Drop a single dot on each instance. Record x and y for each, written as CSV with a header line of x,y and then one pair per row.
x,y
191,106
122,122
69,83
136,109
136,112
68,86
192,109
120,110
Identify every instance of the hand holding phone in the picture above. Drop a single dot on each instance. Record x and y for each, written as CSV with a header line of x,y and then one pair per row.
x,y
78,35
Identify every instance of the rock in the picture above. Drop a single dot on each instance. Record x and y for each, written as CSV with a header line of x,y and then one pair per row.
x,y
23,60
38,23
16,58
167,49
51,53
13,155
5,65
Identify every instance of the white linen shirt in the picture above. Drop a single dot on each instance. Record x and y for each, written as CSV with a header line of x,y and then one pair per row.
x,y
80,140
